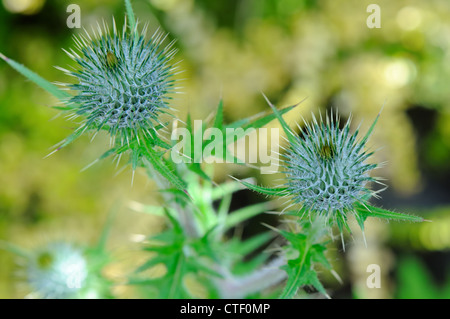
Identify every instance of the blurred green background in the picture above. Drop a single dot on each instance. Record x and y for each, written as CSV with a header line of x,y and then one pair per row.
x,y
236,49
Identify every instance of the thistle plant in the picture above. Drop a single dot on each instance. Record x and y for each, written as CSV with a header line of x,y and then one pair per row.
x,y
123,86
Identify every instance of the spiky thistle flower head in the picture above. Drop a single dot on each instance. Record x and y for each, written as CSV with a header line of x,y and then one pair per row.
x,y
123,84
327,169
57,271
328,172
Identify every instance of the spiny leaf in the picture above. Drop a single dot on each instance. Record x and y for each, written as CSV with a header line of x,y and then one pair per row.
x,y
297,240
369,132
245,213
195,265
37,79
130,14
256,121
196,168
218,121
14,249
318,256
224,189
370,211
268,118
300,269
159,166
248,246
72,137
160,259
101,245
148,209
264,190
286,128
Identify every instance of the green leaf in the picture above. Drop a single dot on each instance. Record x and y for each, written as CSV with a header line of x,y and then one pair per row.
x,y
69,139
160,167
264,190
218,121
195,265
152,210
152,262
196,168
415,282
177,269
297,240
64,108
284,125
245,213
37,79
296,279
250,245
312,279
101,245
370,211
14,249
256,121
224,189
268,118
318,255
243,268
178,193
309,250
130,14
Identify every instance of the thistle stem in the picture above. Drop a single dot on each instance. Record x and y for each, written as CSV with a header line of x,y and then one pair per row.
x,y
184,215
236,287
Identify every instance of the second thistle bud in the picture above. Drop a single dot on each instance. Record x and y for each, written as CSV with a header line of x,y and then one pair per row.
x,y
327,169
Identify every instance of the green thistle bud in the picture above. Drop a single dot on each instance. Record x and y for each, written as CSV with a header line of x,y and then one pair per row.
x,y
123,83
328,174
327,170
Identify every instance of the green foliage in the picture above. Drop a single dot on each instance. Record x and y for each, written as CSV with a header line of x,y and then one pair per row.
x,y
307,248
37,79
415,281
195,242
180,257
64,270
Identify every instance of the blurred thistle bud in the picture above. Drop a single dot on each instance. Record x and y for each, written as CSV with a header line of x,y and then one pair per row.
x,y
57,271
